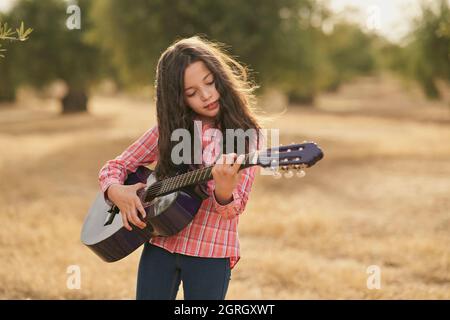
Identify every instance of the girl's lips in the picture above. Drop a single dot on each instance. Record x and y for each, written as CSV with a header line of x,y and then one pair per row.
x,y
213,105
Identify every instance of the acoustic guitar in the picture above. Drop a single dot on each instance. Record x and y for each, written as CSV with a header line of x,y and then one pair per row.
x,y
172,203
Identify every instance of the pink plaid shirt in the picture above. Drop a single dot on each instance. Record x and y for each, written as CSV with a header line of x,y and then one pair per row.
x,y
213,231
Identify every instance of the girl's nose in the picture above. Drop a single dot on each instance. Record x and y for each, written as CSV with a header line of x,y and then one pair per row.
x,y
205,94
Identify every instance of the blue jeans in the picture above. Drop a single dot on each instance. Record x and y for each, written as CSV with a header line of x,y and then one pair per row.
x,y
160,273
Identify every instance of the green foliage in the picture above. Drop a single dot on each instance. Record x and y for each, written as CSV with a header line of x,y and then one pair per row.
x,y
425,57
281,40
350,52
6,33
56,51
432,47
136,39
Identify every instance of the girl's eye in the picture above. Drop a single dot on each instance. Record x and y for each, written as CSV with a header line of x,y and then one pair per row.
x,y
193,94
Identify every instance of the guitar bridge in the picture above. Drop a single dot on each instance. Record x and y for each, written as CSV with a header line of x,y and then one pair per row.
x,y
111,214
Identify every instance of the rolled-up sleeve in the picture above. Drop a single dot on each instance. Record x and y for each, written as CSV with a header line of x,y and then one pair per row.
x,y
142,152
242,191
240,195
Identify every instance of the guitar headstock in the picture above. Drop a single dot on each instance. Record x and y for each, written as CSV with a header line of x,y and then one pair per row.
x,y
296,156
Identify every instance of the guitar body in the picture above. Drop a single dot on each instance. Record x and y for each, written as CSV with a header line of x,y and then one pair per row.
x,y
166,216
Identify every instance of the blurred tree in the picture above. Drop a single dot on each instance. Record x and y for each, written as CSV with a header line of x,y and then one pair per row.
x,y
430,47
279,39
55,51
350,52
7,81
297,56
425,55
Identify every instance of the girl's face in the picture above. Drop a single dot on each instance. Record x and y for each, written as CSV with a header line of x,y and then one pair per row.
x,y
200,91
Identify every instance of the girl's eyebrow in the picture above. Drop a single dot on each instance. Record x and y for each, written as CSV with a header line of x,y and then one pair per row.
x,y
202,79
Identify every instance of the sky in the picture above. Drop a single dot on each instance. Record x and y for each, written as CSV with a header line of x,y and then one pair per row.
x,y
389,18
5,4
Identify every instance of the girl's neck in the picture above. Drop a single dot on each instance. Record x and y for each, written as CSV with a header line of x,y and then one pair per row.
x,y
206,121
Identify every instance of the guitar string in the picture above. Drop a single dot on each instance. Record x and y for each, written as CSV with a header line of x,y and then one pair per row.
x,y
175,181
157,186
178,181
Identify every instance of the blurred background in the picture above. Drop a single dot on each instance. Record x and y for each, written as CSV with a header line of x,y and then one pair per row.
x,y
367,80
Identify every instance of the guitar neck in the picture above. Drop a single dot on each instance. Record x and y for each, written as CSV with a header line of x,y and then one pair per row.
x,y
193,177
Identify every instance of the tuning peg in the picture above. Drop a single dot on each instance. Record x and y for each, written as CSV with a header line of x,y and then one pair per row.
x,y
276,175
289,174
300,173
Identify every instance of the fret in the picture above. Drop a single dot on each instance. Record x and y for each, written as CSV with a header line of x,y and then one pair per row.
x,y
183,179
163,187
200,175
195,176
190,177
159,190
171,183
175,183
205,172
208,173
167,185
186,179
178,181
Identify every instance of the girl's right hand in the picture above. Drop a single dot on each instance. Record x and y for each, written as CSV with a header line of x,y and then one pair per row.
x,y
126,199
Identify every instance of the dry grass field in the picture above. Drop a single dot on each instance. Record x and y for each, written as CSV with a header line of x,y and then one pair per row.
x,y
379,197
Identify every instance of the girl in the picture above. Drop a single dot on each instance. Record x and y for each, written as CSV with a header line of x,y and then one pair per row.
x,y
195,81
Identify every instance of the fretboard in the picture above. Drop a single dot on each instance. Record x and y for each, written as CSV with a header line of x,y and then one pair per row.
x,y
193,177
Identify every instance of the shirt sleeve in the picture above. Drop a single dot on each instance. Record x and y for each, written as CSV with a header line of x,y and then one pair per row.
x,y
242,191
240,195
142,152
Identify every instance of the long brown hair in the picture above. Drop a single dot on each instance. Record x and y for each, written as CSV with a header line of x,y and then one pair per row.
x,y
237,99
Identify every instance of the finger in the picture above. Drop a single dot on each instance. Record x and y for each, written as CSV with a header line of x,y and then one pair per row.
x,y
135,219
125,222
139,186
135,215
140,208
237,164
221,159
230,158
240,174
130,218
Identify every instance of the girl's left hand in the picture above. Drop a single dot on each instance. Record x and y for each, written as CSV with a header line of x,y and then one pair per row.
x,y
226,176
